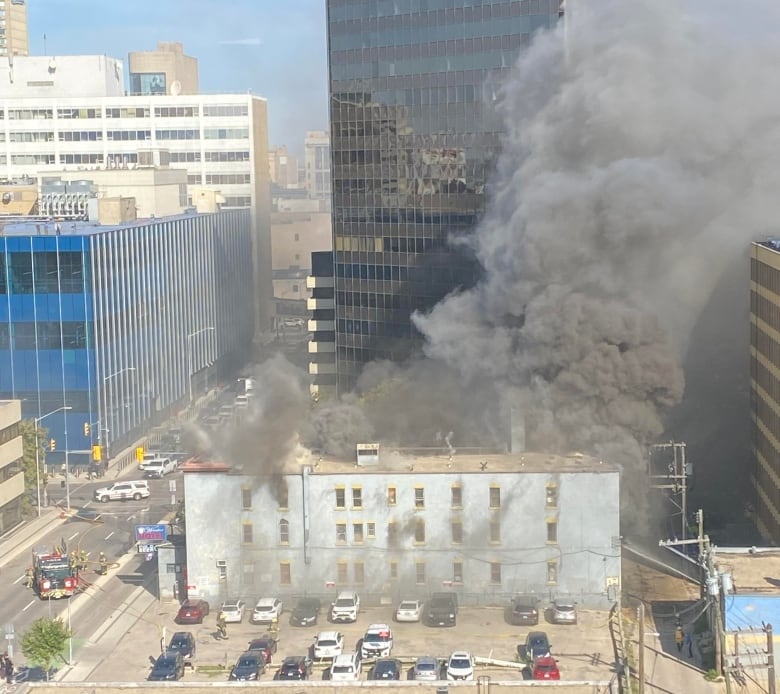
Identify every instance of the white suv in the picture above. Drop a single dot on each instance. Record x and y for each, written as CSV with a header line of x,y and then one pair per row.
x,y
460,666
377,642
346,668
346,607
136,490
328,644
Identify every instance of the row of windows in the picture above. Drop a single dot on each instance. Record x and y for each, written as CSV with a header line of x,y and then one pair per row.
x,y
388,244
228,179
237,201
79,112
180,134
240,155
81,136
48,275
125,112
225,111
43,335
358,573
767,483
184,157
176,111
766,310
9,433
765,275
768,417
390,13
226,133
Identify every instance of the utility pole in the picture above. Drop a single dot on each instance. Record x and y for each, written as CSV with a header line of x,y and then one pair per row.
x,y
770,660
670,473
641,658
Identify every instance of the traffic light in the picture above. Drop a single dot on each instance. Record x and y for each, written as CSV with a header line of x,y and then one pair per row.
x,y
52,444
86,428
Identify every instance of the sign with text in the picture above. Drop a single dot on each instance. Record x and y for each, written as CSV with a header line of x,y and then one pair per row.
x,y
157,532
146,548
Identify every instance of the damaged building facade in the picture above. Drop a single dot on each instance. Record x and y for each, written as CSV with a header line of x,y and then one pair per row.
x,y
486,526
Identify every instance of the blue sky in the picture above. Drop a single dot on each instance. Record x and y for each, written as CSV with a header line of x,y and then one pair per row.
x,y
273,48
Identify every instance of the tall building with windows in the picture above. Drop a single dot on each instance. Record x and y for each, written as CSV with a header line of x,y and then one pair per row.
x,y
316,154
765,384
11,465
390,525
13,28
413,141
121,324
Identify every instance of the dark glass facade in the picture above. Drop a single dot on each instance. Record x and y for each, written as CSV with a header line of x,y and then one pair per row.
x,y
413,142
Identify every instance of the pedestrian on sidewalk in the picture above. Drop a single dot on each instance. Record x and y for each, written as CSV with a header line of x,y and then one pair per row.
x,y
689,644
679,637
9,670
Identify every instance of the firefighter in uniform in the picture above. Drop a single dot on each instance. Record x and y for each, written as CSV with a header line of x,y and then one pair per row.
x,y
222,625
103,564
28,577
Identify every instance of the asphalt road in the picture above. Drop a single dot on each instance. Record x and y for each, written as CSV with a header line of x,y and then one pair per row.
x,y
112,532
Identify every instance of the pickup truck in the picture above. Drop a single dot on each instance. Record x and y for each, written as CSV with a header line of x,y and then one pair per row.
x,y
442,610
159,467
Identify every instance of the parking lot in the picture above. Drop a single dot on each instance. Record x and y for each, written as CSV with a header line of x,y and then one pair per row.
x,y
583,651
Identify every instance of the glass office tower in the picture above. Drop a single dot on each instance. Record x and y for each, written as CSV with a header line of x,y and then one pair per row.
x,y
414,140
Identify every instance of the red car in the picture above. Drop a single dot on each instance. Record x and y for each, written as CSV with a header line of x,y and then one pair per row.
x,y
267,644
192,612
545,668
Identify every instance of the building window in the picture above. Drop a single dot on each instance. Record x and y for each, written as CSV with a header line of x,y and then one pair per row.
x,y
419,572
552,572
341,497
495,573
342,572
456,527
357,497
552,532
295,287
247,533
551,499
457,572
419,531
392,497
246,498
371,530
495,497
359,572
419,497
456,495
282,494
284,532
357,532
285,573
341,532
393,570
392,534
495,531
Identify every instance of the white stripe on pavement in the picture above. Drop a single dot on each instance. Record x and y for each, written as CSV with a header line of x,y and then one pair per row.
x,y
72,536
109,535
28,605
18,579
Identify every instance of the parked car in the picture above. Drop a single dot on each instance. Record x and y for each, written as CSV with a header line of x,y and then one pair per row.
x,y
545,668
426,668
523,610
192,612
346,607
563,612
346,667
306,612
377,641
294,667
267,644
119,491
408,611
233,609
157,469
536,645
249,666
386,669
169,666
266,610
328,644
183,642
460,666
442,610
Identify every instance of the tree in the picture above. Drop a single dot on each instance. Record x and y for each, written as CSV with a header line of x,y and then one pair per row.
x,y
28,455
45,642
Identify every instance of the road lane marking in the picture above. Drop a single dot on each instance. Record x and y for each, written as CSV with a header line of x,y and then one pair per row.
x,y
109,535
72,536
18,579
28,605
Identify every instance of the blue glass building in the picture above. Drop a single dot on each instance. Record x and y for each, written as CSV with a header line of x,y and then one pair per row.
x,y
121,324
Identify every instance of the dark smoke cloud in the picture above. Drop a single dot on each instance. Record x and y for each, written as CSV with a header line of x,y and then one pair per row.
x,y
638,162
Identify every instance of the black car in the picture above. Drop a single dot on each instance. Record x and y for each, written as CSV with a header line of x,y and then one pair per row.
x,y
248,667
294,667
306,612
536,645
169,666
523,610
183,642
386,669
266,644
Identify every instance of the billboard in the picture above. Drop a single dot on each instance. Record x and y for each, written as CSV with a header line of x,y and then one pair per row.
x,y
157,532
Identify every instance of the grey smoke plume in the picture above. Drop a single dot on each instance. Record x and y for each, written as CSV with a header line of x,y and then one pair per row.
x,y
639,160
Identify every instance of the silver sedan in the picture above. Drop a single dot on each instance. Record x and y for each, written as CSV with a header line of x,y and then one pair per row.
x,y
409,611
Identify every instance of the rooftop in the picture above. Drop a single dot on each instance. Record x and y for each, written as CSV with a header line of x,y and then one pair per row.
x,y
403,462
753,569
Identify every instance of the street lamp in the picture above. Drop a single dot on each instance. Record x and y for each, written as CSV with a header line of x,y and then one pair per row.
x,y
189,356
37,452
105,403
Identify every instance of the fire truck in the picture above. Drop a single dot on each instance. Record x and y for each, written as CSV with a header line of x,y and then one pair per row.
x,y
53,576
